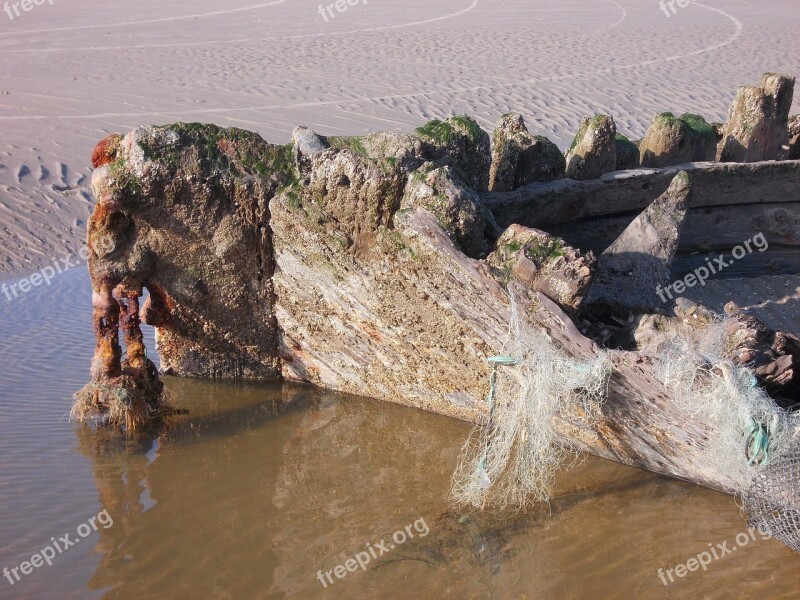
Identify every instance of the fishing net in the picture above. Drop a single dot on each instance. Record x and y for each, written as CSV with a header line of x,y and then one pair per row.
x,y
773,500
749,429
755,442
510,459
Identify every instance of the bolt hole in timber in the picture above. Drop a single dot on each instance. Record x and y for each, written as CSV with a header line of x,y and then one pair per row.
x,y
376,327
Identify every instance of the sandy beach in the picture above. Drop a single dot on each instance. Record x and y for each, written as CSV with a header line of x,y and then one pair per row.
x,y
231,442
73,71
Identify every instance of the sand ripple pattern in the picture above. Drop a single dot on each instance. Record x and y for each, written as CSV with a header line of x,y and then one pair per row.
x,y
385,65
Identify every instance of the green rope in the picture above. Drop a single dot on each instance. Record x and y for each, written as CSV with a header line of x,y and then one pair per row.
x,y
758,445
495,362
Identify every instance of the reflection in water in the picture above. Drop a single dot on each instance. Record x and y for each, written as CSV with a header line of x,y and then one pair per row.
x,y
253,499
151,483
259,487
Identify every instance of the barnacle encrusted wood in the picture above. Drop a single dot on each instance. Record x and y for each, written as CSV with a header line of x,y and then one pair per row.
x,y
356,264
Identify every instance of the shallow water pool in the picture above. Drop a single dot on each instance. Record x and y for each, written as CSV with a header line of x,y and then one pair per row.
x,y
263,491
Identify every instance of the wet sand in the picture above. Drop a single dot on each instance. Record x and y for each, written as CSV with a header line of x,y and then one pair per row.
x,y
260,487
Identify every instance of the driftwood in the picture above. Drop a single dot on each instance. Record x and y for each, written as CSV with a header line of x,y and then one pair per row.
x,y
346,270
730,202
714,184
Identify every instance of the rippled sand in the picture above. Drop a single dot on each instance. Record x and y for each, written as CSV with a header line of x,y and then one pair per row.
x,y
73,71
259,488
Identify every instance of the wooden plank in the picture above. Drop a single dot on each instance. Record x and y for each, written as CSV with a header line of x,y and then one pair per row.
x,y
706,229
715,184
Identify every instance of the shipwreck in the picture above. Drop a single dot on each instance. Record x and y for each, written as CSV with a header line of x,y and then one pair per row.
x,y
395,266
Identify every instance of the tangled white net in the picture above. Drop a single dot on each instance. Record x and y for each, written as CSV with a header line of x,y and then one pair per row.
x,y
773,500
511,459
714,391
755,442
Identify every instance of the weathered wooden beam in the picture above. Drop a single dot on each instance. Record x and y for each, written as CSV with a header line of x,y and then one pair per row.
x,y
351,275
707,229
542,205
641,424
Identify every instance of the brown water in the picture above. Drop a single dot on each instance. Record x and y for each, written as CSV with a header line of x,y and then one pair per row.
x,y
259,488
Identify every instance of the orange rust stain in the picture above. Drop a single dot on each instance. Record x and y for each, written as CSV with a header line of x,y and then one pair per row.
x,y
106,150
372,333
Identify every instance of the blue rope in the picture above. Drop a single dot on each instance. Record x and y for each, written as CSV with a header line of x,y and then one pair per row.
x,y
757,448
758,445
495,362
